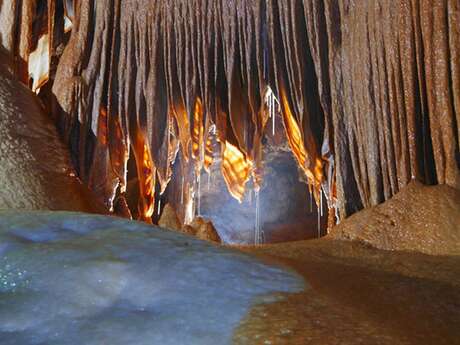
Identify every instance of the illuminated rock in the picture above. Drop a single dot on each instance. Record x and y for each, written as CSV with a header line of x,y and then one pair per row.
x,y
367,92
204,230
419,218
35,167
168,219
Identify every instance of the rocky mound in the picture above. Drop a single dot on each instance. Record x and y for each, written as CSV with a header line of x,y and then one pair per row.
x,y
169,219
418,218
200,227
35,168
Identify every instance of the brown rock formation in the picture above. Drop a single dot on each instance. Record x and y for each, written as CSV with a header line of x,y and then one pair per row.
x,y
392,71
169,219
418,218
35,168
368,91
204,230
200,227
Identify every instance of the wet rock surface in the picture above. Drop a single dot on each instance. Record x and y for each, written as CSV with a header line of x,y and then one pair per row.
x,y
69,278
386,275
35,167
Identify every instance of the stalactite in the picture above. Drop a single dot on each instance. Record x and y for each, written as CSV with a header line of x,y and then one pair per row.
x,y
367,91
236,170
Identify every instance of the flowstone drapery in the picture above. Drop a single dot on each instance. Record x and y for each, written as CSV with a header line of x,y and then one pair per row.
x,y
368,92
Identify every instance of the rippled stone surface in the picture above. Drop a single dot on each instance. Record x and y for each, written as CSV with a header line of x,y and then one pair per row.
x,y
69,278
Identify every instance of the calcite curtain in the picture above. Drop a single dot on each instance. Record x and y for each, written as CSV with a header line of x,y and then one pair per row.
x,y
369,91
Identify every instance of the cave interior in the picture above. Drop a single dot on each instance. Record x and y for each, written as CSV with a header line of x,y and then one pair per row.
x,y
263,160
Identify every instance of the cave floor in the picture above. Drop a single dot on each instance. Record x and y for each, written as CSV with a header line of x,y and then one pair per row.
x,y
70,278
358,295
79,279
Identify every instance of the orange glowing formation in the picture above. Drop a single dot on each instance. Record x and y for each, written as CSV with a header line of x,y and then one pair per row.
x,y
146,173
38,64
183,124
149,184
236,170
102,130
197,131
313,170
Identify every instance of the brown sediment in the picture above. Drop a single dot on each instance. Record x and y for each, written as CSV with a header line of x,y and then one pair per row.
x,y
357,295
419,218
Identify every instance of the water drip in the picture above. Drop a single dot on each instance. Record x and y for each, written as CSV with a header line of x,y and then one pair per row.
x,y
257,232
321,202
273,113
198,202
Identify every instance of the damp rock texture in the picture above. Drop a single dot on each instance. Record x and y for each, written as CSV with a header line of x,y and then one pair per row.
x,y
35,168
169,219
23,23
200,227
68,278
204,229
394,87
419,218
367,91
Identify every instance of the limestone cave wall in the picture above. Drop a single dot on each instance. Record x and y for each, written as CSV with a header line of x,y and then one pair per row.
x,y
368,92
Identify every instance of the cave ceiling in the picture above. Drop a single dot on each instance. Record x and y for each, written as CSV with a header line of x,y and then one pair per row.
x,y
368,92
